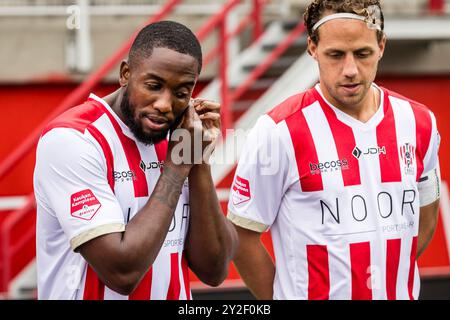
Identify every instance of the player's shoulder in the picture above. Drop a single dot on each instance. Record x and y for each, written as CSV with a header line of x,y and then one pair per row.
x,y
415,105
291,106
425,118
77,118
67,133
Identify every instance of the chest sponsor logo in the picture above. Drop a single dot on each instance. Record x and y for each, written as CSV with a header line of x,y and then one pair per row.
x,y
122,176
408,156
395,212
151,165
241,191
329,166
358,153
84,205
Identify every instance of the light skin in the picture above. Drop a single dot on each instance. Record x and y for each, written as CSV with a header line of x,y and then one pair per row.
x,y
159,93
347,54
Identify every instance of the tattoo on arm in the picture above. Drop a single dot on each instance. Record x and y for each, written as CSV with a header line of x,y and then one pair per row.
x,y
168,189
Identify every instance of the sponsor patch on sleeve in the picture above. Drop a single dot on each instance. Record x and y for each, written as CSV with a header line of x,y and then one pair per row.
x,y
84,205
241,191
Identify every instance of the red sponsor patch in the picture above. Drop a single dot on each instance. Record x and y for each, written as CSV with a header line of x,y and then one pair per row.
x,y
241,190
84,205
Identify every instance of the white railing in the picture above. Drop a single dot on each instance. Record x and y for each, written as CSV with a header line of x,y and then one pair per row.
x,y
123,7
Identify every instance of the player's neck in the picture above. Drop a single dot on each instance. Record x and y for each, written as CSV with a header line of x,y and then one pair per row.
x,y
365,109
114,100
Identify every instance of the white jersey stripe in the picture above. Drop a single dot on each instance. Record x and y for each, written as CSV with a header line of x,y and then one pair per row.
x,y
431,152
403,269
378,269
405,125
160,268
369,164
340,272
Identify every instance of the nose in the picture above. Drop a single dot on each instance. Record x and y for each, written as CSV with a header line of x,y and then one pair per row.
x,y
350,69
163,102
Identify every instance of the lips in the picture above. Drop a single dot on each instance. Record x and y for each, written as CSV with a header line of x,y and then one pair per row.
x,y
351,87
156,122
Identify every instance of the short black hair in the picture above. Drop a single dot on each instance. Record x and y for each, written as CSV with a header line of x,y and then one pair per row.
x,y
165,34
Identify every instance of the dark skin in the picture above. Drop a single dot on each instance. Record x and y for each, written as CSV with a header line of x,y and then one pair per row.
x,y
160,86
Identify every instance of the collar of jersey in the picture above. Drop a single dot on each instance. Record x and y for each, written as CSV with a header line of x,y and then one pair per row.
x,y
122,125
355,123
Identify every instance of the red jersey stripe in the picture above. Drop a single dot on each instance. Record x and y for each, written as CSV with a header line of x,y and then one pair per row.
x,y
344,139
392,262
423,136
161,151
412,267
78,118
289,107
133,156
305,152
360,266
107,152
94,289
174,286
143,291
318,272
185,270
387,137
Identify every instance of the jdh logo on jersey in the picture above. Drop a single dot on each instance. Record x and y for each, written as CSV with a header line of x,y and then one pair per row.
x,y
408,155
358,153
151,165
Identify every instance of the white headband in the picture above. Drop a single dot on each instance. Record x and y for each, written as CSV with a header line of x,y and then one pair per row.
x,y
373,18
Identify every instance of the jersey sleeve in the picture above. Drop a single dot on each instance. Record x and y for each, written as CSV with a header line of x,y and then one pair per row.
x,y
430,182
70,180
260,179
430,160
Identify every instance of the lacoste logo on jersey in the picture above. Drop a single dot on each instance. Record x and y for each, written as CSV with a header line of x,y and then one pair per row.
x,y
358,153
329,166
408,156
241,191
84,205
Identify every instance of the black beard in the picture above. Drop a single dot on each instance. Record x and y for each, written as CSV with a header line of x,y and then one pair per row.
x,y
136,126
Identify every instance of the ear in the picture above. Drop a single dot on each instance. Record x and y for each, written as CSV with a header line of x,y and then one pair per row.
x,y
312,48
124,76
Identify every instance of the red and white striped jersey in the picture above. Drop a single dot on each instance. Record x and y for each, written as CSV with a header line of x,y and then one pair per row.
x,y
339,196
91,177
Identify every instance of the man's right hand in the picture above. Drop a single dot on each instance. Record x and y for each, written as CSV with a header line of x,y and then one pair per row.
x,y
185,145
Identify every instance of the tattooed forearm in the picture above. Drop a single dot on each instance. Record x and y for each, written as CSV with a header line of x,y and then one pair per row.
x,y
168,188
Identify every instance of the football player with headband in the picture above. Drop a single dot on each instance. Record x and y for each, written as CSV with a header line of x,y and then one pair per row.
x,y
352,200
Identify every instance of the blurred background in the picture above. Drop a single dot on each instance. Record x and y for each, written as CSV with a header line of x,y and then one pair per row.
x,y
53,53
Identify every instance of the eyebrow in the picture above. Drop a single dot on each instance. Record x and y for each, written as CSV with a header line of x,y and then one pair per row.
x,y
150,75
357,50
364,49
